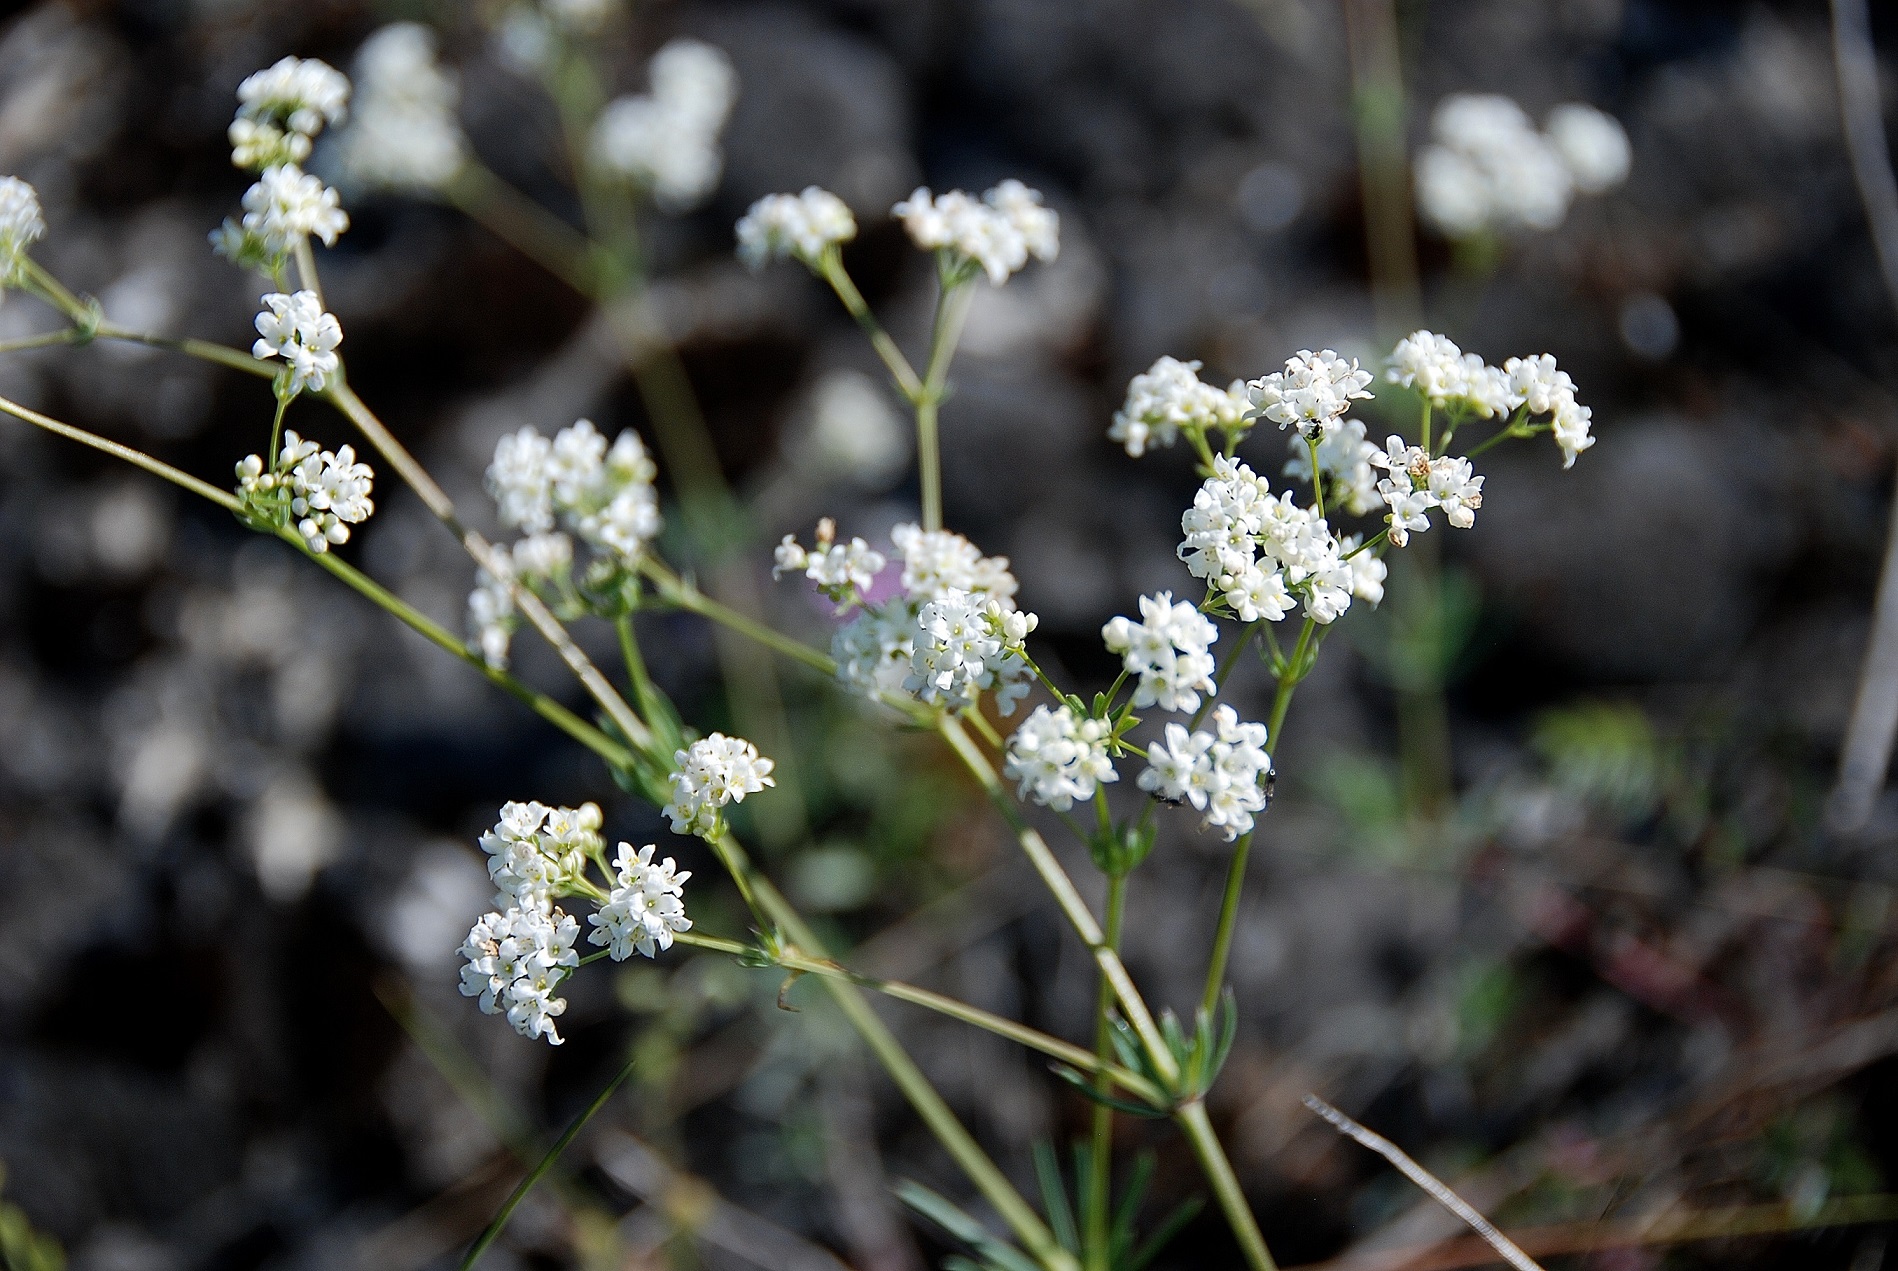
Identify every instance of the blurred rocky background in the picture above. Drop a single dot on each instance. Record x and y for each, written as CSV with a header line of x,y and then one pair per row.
x,y
1607,973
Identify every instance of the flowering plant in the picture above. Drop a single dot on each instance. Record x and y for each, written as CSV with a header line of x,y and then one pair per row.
x,y
930,632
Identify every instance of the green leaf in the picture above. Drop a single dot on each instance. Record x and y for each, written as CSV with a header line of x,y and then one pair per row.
x,y
1054,1196
941,1211
1085,1085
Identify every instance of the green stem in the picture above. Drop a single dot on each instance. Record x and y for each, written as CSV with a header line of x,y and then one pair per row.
x,y
1198,1128
1424,426
203,350
546,1163
1099,1200
831,269
1288,681
276,432
524,225
682,593
306,268
1228,919
1317,477
67,336
1225,670
952,309
53,292
223,498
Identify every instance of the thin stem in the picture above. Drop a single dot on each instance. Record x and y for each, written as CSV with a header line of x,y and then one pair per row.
x,y
1424,426
1100,1175
1288,682
732,857
203,350
306,267
546,1163
54,292
276,432
223,498
952,309
685,595
1367,544
1200,1136
1318,476
523,225
1228,919
1498,439
1225,670
831,269
67,336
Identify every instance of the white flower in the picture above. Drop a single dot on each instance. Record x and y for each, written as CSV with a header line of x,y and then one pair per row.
x,y
839,569
1218,772
405,135
296,328
491,618
329,491
1545,390
1059,757
287,204
1488,168
965,645
874,649
1344,455
536,852
997,232
1430,363
282,107
21,224
938,561
646,907
515,961
1313,391
668,140
1169,396
710,774
1593,145
1368,571
1456,490
1167,651
801,225
1571,430
605,495
519,480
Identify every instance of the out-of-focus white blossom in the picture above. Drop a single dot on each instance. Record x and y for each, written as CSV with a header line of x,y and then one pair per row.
x,y
645,908
21,225
296,328
282,107
514,963
603,494
667,140
1218,772
1368,571
873,650
709,774
1167,652
287,204
1169,397
840,570
1312,393
405,135
1593,144
801,225
937,561
1059,757
997,232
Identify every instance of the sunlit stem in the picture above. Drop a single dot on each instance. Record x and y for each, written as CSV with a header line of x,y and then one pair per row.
x,y
276,429
1228,920
1101,1148
306,268
1317,476
1200,1135
831,269
952,309
684,594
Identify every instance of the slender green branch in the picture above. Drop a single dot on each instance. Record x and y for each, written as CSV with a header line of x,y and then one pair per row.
x,y
831,269
306,267
1317,476
1228,919
138,458
1204,1141
203,350
1225,670
546,1163
952,309
685,595
68,335
523,225
48,288
1096,1213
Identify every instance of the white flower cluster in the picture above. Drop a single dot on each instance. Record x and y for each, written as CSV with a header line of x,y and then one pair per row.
x,y
1344,456
668,140
1487,168
1254,551
646,907
21,225
1313,392
997,232
1418,483
282,108
1167,652
515,961
604,495
842,571
1217,772
286,204
296,328
1060,757
709,774
801,225
1168,398
1449,378
537,853
405,135
326,491
952,635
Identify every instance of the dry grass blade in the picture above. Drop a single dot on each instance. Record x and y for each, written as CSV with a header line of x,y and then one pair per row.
x,y
1417,1174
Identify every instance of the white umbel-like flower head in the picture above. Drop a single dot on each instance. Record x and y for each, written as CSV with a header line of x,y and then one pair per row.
x,y
282,107
1312,393
939,561
1169,397
1253,549
603,494
842,571
997,233
966,644
514,962
405,135
1167,650
1218,772
668,140
646,907
21,225
1059,757
329,493
801,225
708,775
287,204
296,328
1593,145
